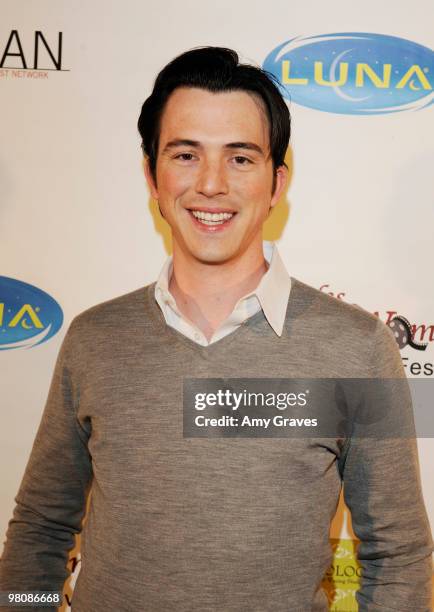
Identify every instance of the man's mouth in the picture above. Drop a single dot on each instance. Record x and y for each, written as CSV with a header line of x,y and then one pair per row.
x,y
211,220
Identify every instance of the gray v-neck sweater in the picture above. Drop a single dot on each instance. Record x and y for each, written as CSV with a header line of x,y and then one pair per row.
x,y
211,525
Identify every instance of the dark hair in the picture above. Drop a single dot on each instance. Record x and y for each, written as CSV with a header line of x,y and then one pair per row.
x,y
215,69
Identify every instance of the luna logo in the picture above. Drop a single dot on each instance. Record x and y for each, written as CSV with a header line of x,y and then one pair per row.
x,y
28,315
354,73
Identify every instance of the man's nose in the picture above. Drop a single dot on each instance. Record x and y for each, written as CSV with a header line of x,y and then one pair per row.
x,y
212,179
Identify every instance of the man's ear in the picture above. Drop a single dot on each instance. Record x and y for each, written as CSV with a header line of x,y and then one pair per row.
x,y
149,178
280,182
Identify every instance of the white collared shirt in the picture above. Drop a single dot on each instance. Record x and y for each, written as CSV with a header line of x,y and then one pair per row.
x,y
271,294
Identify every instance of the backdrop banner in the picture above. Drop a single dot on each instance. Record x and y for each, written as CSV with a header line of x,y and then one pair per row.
x,y
78,225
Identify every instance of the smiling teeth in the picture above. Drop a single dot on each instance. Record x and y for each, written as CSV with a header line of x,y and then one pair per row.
x,y
211,218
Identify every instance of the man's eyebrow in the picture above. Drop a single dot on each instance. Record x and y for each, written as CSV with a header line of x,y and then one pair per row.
x,y
181,142
185,142
250,146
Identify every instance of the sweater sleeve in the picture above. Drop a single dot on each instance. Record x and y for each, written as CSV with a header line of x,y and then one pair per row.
x,y
51,500
383,492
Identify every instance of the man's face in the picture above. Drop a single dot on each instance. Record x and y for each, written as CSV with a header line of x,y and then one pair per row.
x,y
214,173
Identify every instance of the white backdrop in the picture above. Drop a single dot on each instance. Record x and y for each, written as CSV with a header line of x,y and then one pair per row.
x,y
75,215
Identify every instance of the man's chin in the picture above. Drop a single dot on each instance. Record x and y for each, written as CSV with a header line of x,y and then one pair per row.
x,y
213,257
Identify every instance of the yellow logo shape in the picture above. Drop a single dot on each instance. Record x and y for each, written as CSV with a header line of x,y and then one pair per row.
x,y
342,579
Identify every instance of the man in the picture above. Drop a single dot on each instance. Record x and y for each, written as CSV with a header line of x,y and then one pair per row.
x,y
196,524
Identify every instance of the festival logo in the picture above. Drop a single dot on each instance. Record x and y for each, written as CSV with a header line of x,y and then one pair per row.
x,y
406,333
28,315
416,337
354,73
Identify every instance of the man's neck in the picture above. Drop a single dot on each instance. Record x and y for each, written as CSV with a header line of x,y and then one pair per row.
x,y
206,294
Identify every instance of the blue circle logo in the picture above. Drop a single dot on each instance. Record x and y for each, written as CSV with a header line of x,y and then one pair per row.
x,y
354,73
28,315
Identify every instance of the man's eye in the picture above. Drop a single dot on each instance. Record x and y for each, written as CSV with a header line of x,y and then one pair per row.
x,y
184,156
241,160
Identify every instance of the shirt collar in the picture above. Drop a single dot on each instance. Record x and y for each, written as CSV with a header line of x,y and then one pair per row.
x,y
272,291
274,288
